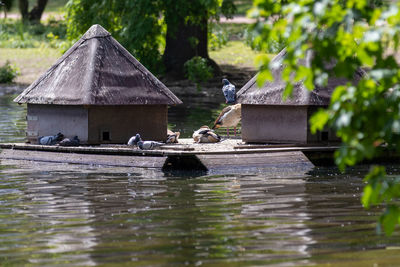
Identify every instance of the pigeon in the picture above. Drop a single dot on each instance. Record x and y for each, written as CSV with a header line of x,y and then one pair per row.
x,y
70,142
134,140
205,135
143,145
50,140
229,117
172,137
229,91
148,145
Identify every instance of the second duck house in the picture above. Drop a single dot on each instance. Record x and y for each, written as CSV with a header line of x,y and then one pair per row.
x,y
98,91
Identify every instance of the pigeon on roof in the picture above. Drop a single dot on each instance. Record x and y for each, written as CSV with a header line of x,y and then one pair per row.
x,y
229,91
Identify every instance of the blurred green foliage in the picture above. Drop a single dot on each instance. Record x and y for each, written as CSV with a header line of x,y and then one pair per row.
x,y
140,25
198,70
16,34
351,34
8,73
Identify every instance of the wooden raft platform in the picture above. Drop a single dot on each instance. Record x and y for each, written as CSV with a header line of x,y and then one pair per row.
x,y
228,156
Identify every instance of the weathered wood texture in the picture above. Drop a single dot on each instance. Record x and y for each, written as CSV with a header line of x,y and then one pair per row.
x,y
273,123
271,93
125,150
45,120
90,159
224,163
97,70
273,160
123,122
90,122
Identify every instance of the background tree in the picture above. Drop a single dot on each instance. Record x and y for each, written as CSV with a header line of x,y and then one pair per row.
x,y
35,14
7,5
366,116
146,28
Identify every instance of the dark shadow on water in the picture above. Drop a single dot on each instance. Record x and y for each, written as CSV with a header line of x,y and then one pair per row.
x,y
183,174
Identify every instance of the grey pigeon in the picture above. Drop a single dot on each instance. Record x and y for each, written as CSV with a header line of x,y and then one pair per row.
x,y
229,91
50,139
148,145
70,142
144,145
133,141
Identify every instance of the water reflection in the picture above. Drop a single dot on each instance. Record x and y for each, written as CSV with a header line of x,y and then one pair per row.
x,y
12,120
96,215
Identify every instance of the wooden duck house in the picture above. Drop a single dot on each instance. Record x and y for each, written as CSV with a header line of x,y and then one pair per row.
x,y
98,91
268,118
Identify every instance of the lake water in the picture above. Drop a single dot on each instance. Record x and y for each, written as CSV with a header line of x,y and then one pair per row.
x,y
80,215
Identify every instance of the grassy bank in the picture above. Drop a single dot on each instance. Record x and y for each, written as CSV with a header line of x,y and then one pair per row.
x,y
31,62
235,53
52,6
34,48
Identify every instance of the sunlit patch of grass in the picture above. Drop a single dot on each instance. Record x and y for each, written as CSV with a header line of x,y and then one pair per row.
x,y
242,6
52,6
235,53
31,62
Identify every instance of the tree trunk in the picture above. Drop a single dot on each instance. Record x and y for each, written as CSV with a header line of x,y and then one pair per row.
x,y
23,8
184,41
35,14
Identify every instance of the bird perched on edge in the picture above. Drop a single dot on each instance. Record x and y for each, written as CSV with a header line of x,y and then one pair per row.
x,y
229,117
70,142
172,137
134,140
229,91
50,139
205,135
143,145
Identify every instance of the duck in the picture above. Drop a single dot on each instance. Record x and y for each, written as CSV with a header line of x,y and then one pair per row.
x,y
229,117
143,145
172,137
50,140
70,142
229,91
205,135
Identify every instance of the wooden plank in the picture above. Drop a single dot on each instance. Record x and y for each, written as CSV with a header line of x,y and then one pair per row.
x,y
254,146
91,159
135,151
266,160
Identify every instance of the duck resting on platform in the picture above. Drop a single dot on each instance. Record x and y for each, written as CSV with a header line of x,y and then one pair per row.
x,y
205,135
229,91
143,145
172,137
50,140
229,117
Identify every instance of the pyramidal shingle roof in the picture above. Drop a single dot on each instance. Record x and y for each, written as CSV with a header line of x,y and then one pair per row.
x,y
271,92
97,70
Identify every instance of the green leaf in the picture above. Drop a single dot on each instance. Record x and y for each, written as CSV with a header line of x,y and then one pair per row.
x,y
318,120
263,77
390,219
337,93
364,57
366,197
